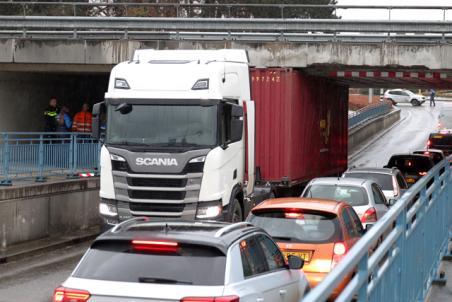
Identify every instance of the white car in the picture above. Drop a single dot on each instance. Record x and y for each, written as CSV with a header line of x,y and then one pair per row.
x,y
397,96
139,260
364,195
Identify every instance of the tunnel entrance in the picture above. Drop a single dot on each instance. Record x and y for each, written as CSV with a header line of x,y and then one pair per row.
x,y
25,95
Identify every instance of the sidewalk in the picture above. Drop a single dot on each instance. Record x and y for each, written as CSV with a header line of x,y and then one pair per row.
x,y
26,249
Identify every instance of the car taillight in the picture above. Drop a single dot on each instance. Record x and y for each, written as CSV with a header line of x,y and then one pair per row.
x,y
154,245
422,173
339,251
429,143
369,216
62,294
211,299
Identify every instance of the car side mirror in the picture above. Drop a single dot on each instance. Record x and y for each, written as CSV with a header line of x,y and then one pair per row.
x,y
295,262
392,202
368,227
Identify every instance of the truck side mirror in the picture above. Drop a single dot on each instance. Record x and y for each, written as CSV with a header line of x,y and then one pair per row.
x,y
98,110
236,123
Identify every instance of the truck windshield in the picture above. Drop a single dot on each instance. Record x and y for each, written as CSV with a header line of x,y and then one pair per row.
x,y
163,126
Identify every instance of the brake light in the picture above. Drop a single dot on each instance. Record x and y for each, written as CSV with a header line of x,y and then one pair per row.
x,y
211,299
294,215
62,294
154,246
422,173
429,143
339,251
369,216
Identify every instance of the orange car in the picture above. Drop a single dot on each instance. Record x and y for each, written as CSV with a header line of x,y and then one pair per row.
x,y
319,231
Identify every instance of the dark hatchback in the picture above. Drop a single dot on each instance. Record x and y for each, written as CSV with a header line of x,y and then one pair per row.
x,y
412,166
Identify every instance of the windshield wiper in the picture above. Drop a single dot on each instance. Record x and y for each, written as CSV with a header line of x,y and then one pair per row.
x,y
161,280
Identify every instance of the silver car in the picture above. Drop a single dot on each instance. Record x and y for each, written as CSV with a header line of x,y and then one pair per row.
x,y
390,180
364,195
139,260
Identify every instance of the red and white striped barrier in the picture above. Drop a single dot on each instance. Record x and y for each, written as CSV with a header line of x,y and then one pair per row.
x,y
389,74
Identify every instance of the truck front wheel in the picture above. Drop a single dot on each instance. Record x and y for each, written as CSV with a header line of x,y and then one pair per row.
x,y
235,214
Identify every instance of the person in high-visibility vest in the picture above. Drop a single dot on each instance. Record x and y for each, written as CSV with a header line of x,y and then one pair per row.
x,y
50,116
83,120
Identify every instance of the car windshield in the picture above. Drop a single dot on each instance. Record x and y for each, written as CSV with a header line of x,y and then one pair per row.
x,y
353,195
411,164
301,227
162,126
116,261
383,180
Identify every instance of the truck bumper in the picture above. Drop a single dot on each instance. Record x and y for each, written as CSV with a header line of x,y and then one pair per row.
x,y
123,213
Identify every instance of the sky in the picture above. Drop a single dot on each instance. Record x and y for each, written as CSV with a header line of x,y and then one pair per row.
x,y
372,14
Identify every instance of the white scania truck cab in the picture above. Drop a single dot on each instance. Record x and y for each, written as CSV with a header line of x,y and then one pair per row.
x,y
179,140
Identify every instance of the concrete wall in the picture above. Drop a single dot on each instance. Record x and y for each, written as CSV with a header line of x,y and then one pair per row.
x,y
101,55
40,210
24,96
359,135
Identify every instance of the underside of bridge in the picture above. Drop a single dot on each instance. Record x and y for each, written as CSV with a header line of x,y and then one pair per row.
x,y
75,71
25,95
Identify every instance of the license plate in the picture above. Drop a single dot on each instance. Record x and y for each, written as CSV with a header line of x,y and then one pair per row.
x,y
437,136
305,255
410,180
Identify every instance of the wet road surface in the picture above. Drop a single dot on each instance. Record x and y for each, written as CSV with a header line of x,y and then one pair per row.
x,y
34,279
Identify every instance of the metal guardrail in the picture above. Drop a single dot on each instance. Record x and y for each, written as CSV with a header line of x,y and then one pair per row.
x,y
246,29
369,112
412,238
40,155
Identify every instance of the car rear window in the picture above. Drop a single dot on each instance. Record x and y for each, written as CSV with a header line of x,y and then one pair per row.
x,y
353,195
383,180
410,165
117,261
302,227
439,139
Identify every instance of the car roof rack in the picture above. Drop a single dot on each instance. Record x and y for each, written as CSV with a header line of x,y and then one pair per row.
x,y
231,227
128,222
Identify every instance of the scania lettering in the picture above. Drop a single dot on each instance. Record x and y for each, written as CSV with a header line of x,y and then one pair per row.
x,y
184,139
156,161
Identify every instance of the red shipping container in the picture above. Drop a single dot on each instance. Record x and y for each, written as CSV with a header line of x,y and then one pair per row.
x,y
301,125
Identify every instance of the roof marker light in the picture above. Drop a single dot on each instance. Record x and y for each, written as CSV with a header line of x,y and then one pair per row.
x,y
121,84
201,84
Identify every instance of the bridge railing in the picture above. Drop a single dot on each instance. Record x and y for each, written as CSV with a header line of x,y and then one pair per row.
x,y
411,240
40,155
369,112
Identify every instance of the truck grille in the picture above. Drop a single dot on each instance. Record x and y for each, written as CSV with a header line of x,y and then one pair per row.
x,y
156,207
156,182
162,195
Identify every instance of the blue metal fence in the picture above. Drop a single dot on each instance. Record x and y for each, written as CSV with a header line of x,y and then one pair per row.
x,y
40,155
369,112
412,238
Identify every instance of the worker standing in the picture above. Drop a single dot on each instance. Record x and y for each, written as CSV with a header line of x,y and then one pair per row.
x,y
50,116
83,120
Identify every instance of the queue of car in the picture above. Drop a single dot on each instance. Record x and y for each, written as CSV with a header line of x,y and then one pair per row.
x,y
287,246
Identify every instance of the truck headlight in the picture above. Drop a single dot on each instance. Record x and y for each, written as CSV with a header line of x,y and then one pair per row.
x,y
209,209
107,209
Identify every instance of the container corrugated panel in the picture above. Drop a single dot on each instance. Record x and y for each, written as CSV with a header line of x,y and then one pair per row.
x,y
301,125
